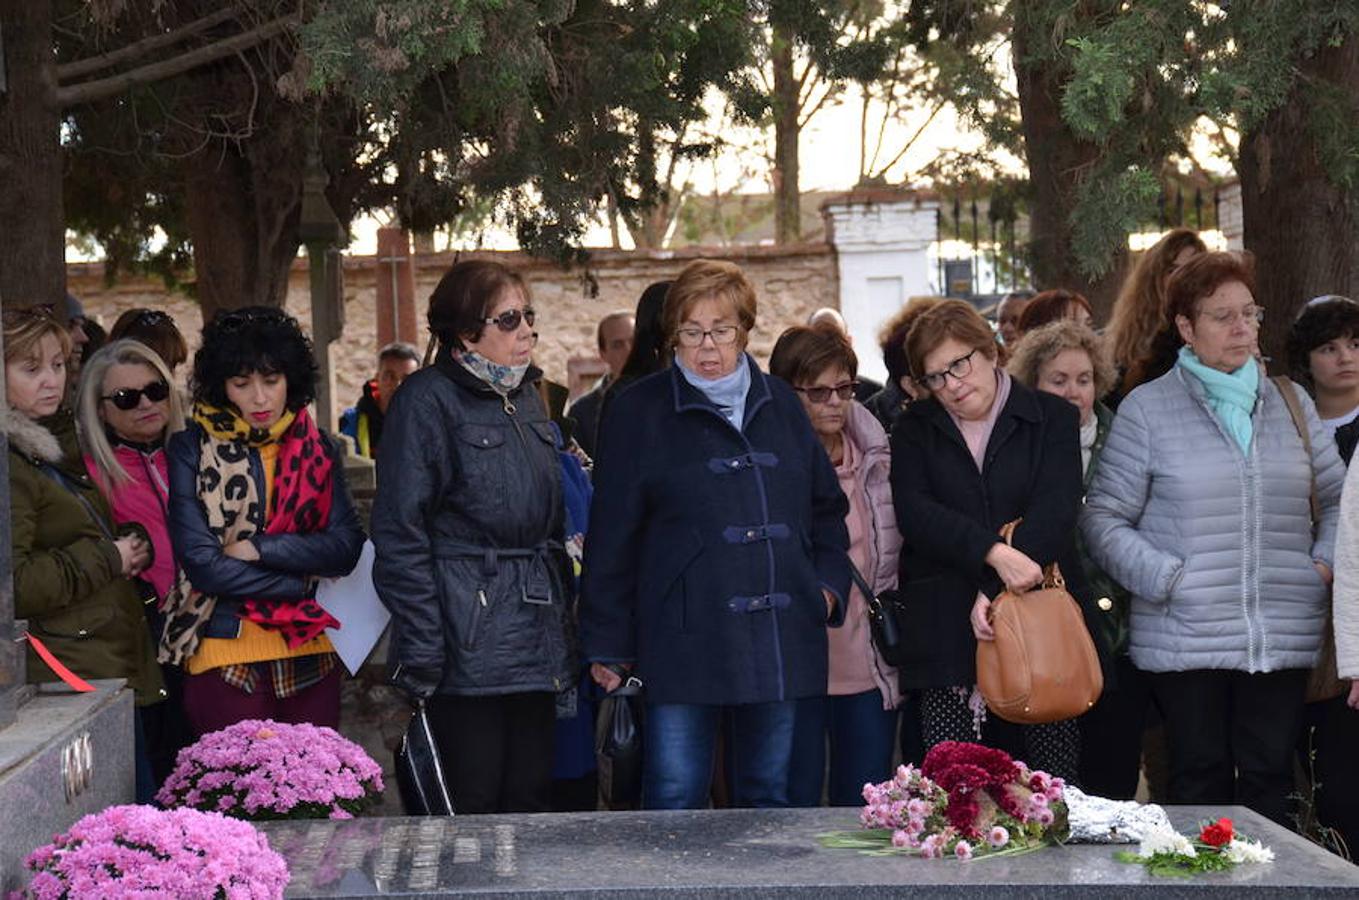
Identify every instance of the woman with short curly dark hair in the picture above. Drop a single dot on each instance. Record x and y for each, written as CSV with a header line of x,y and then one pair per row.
x,y
1323,356
259,510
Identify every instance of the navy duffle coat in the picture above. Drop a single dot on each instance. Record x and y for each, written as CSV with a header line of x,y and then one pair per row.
x,y
709,547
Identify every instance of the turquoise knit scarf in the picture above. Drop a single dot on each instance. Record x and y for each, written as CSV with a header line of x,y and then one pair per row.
x,y
1231,395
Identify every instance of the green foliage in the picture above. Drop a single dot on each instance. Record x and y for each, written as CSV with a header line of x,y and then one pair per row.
x,y
1109,206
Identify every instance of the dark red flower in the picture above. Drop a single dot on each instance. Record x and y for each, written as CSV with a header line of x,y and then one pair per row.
x,y
1217,834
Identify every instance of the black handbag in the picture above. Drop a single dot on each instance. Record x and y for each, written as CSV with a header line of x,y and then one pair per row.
x,y
419,771
618,746
883,621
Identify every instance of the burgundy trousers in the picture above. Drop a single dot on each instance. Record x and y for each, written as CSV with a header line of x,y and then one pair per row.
x,y
210,704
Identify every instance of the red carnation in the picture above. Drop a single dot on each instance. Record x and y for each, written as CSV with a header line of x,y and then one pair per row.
x,y
1217,834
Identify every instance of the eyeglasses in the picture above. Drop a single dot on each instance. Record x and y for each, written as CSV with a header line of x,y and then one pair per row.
x,y
236,319
128,399
509,320
821,394
721,335
960,368
151,317
1251,315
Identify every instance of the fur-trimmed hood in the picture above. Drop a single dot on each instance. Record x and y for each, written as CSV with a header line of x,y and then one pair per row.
x,y
29,437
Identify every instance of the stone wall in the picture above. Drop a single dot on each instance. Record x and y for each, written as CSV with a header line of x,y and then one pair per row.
x,y
790,281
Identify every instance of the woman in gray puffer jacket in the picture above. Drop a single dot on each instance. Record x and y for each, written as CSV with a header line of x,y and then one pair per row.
x,y
1202,508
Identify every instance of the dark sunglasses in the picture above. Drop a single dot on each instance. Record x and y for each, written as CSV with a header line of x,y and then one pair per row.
x,y
822,394
130,398
510,318
16,315
237,319
151,317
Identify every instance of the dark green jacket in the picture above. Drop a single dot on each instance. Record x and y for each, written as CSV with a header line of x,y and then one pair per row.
x,y
68,580
1111,600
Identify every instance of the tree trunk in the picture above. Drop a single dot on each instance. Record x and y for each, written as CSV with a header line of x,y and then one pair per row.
x,y
241,203
787,197
1299,222
33,257
1058,161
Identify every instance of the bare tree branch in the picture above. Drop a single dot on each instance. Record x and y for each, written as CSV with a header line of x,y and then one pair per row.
x,y
915,137
102,88
136,49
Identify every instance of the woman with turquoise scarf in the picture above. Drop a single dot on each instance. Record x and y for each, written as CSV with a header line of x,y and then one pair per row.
x,y
1202,507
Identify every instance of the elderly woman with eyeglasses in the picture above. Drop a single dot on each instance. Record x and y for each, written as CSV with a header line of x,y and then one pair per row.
x,y
1202,507
469,528
716,552
982,451
858,714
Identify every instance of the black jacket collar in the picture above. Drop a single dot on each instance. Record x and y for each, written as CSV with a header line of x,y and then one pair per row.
x,y
688,397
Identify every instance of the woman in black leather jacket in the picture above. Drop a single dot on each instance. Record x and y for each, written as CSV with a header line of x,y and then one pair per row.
x,y
468,524
258,511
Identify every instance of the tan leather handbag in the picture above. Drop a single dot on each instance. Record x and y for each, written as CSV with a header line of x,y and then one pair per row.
x,y
1042,666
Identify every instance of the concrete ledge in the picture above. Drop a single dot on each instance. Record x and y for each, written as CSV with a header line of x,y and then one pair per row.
x,y
34,804
743,854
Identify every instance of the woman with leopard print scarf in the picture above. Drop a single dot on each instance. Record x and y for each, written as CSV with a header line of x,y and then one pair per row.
x,y
259,510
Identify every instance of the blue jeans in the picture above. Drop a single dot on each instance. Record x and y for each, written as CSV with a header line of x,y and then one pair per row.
x,y
680,741
862,736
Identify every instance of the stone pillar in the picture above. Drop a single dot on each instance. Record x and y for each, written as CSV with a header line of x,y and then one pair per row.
x,y
396,314
1229,220
882,240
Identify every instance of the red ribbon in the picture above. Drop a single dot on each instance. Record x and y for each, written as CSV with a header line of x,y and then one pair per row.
x,y
74,681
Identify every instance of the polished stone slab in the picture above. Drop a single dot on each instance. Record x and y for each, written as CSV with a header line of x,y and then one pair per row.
x,y
67,755
743,854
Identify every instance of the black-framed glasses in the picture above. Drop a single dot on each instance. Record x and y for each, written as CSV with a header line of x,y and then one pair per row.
x,y
128,399
960,368
236,319
692,336
509,320
820,394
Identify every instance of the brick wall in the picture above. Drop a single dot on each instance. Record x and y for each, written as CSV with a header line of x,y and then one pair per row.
x,y
790,281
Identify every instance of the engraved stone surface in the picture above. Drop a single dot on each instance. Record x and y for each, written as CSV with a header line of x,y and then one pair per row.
x,y
742,853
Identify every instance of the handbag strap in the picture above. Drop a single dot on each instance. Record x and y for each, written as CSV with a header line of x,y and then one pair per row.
x,y
1287,389
53,473
1052,573
860,582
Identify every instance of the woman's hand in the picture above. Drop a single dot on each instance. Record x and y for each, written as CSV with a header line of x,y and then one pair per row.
x,y
1352,701
242,550
1327,577
605,677
1016,570
134,553
981,621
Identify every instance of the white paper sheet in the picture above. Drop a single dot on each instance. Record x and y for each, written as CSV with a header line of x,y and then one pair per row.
x,y
354,601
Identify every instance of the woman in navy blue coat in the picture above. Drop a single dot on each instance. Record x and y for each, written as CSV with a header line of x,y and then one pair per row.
x,y
716,553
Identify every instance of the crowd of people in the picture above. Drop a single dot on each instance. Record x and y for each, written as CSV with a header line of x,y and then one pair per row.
x,y
717,532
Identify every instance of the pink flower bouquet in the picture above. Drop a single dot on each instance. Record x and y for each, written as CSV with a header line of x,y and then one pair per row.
x,y
964,801
262,770
140,851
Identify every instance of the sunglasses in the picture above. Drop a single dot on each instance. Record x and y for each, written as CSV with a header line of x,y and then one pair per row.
x,y
151,317
128,399
509,320
237,319
821,395
19,314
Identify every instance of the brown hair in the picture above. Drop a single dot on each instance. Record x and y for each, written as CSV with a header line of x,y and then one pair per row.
x,y
709,278
950,319
1046,341
804,352
892,336
1050,306
1139,312
25,327
611,317
463,299
1201,276
155,329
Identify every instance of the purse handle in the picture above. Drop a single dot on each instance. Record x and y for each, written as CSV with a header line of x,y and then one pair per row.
x,y
1052,573
1290,399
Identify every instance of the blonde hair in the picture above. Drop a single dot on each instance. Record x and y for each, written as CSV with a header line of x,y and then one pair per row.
x,y
709,278
1043,343
1139,313
93,437
24,329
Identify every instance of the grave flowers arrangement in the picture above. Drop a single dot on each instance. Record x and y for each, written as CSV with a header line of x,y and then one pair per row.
x,y
141,851
965,801
262,769
1216,848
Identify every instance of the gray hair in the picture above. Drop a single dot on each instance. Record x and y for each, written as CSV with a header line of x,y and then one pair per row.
x,y
92,433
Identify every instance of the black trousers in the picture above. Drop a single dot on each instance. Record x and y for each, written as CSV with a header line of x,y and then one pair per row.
x,y
1111,734
1232,736
1332,739
496,751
